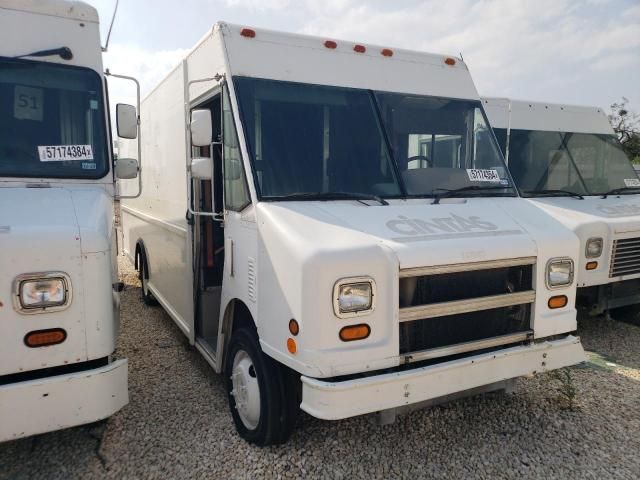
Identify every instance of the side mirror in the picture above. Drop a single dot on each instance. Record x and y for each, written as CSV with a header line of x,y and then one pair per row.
x,y
126,168
201,128
126,121
202,168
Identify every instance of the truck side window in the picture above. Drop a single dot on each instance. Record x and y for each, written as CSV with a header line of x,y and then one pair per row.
x,y
236,193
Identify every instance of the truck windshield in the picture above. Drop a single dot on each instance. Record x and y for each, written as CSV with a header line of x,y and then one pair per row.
x,y
311,140
443,144
52,121
583,163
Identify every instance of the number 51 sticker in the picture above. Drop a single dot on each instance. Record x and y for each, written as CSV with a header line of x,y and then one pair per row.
x,y
27,103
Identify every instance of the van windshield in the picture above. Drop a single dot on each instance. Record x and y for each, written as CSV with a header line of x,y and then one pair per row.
x,y
51,121
310,140
583,163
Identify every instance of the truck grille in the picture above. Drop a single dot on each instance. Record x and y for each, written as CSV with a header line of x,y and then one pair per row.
x,y
454,309
625,257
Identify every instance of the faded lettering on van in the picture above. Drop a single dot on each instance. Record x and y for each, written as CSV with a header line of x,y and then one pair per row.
x,y
619,210
454,226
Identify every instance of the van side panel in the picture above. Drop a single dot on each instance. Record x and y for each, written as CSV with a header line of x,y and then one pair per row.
x,y
157,217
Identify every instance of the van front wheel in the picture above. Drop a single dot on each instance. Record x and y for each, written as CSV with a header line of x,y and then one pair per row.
x,y
262,403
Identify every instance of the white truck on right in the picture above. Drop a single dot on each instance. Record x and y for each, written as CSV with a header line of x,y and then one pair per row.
x,y
569,162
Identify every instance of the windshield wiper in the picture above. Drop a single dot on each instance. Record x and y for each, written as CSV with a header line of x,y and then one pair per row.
x,y
554,193
618,190
448,193
63,52
331,196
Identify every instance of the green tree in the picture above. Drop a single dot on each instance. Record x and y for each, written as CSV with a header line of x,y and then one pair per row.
x,y
626,124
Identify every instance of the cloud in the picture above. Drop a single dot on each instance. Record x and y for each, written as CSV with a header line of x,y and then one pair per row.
x,y
523,48
148,67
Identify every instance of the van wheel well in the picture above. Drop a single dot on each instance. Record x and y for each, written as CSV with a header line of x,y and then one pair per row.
x,y
236,316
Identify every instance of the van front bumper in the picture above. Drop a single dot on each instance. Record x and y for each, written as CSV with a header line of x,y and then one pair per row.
x,y
343,399
53,403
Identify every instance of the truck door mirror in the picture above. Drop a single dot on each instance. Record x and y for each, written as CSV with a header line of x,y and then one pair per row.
x,y
202,168
126,168
126,121
201,128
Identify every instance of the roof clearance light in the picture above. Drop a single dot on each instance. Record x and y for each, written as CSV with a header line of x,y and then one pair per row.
x,y
359,48
386,52
450,61
330,44
248,32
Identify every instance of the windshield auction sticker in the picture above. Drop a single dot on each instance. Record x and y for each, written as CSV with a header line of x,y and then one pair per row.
x,y
480,175
632,182
61,153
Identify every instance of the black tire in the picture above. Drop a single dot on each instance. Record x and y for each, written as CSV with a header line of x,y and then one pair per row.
x,y
147,296
279,404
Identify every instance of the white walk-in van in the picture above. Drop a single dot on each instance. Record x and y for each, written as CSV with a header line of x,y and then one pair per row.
x,y
569,162
59,286
332,226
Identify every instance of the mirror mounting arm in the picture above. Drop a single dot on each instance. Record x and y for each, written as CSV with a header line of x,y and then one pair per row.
x,y
126,77
219,79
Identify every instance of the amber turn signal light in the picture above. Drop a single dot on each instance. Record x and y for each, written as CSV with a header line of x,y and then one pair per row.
x,y
355,332
45,338
291,346
294,328
558,301
592,265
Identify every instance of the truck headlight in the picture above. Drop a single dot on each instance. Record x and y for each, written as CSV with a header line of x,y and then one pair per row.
x,y
353,297
42,291
559,272
593,248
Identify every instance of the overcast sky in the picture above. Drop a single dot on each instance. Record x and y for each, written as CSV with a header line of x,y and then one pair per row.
x,y
571,51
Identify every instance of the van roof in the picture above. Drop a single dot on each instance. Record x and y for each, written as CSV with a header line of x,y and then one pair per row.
x,y
301,58
57,8
546,116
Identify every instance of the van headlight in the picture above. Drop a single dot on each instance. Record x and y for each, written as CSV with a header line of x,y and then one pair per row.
x,y
593,248
559,272
37,292
353,297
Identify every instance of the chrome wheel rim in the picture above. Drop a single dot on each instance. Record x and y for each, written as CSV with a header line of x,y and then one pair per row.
x,y
246,390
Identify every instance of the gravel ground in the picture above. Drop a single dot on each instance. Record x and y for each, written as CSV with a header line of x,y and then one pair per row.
x,y
177,424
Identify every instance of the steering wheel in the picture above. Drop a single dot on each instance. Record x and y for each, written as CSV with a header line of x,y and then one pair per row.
x,y
421,158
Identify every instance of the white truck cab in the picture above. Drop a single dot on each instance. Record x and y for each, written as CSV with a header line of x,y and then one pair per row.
x,y
332,226
59,300
567,160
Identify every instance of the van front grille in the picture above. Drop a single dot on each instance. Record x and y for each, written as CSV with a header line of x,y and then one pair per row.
x,y
625,257
459,308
